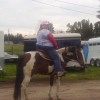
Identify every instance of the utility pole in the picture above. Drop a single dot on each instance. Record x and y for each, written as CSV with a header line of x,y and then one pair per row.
x,y
8,36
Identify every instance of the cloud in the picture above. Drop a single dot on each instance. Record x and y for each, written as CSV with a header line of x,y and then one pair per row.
x,y
25,15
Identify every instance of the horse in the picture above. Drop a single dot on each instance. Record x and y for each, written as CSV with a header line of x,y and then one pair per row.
x,y
31,63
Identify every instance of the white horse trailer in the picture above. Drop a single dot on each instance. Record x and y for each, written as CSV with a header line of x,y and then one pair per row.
x,y
1,50
94,51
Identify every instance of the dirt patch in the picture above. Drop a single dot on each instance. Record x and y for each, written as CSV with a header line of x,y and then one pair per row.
x,y
69,90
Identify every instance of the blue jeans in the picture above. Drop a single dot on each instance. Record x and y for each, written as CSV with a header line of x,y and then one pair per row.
x,y
53,55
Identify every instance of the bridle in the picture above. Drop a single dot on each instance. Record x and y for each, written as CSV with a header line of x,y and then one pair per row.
x,y
69,58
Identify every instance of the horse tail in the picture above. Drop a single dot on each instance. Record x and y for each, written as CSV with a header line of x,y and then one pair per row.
x,y
19,78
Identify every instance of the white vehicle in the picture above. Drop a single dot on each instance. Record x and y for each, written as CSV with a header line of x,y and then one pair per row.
x,y
10,58
1,49
93,57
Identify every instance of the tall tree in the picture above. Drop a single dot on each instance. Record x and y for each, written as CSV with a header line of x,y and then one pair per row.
x,y
51,28
14,38
98,16
85,28
97,29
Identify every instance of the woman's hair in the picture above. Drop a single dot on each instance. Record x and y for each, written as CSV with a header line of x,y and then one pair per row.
x,y
42,27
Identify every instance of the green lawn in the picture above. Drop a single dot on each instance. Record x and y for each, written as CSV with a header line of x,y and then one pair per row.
x,y
14,48
90,73
9,71
10,68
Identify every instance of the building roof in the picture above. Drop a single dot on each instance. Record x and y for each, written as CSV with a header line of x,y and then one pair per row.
x,y
94,40
56,35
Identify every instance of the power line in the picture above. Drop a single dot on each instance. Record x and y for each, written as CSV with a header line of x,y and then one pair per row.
x,y
77,4
61,7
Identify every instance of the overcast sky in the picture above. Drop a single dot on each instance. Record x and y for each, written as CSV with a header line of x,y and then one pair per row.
x,y
24,16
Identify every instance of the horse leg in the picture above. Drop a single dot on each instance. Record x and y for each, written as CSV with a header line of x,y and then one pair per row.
x,y
50,87
27,77
58,86
24,86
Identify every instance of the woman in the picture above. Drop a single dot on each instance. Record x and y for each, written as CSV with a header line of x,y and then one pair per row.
x,y
46,42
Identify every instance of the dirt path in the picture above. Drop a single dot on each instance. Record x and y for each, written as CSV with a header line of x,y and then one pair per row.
x,y
70,90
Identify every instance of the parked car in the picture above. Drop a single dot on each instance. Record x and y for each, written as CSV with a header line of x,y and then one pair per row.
x,y
10,58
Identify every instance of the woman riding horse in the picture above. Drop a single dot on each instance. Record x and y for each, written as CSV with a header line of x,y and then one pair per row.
x,y
46,42
32,62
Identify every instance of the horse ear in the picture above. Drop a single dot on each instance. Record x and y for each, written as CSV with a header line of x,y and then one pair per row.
x,y
65,48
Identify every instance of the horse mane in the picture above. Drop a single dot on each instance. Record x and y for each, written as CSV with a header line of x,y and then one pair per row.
x,y
61,50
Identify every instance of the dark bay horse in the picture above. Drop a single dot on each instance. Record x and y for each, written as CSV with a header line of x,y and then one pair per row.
x,y
31,63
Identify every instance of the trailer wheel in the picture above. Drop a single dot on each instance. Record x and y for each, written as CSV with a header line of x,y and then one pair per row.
x,y
98,62
92,62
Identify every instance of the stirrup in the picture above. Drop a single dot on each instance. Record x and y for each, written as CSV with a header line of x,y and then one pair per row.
x,y
60,73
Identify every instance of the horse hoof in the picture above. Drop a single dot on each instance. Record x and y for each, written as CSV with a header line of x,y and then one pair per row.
x,y
50,98
58,98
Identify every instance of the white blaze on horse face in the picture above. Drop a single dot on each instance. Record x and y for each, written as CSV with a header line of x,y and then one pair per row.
x,y
73,63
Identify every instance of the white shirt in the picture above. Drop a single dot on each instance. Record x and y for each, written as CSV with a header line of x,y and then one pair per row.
x,y
42,38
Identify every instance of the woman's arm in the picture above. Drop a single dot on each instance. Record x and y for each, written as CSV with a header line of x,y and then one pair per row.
x,y
51,38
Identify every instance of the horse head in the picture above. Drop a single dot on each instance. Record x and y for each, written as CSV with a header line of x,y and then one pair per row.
x,y
72,57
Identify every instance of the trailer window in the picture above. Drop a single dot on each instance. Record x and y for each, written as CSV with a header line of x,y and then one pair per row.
x,y
98,43
94,44
90,44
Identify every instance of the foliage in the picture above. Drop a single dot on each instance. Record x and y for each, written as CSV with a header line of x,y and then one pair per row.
x,y
14,38
85,28
97,29
98,16
51,28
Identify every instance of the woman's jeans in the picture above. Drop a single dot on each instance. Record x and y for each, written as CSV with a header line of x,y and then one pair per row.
x,y
53,55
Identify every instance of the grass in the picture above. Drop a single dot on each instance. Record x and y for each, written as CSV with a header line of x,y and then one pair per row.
x,y
9,71
14,48
10,68
90,73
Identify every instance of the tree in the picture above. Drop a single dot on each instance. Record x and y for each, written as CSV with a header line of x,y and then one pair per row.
x,y
51,28
85,28
97,29
98,16
69,27
14,38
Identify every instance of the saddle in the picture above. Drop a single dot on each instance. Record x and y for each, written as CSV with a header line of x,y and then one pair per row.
x,y
44,54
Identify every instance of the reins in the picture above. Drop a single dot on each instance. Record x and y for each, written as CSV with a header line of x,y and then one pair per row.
x,y
72,59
